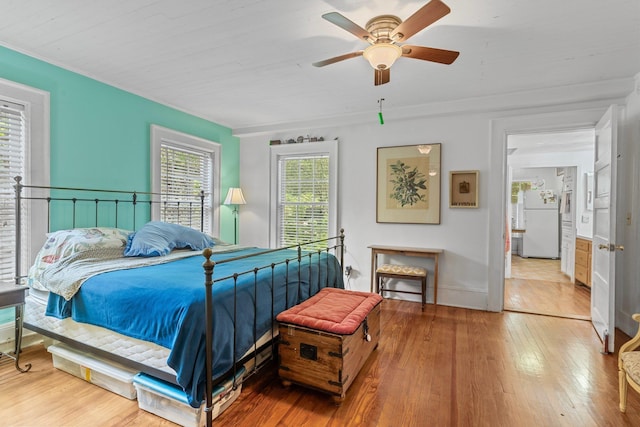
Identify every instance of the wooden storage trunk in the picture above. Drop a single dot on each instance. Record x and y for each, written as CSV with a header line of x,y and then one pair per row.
x,y
314,351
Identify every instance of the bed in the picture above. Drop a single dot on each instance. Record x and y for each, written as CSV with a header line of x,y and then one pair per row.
x,y
181,306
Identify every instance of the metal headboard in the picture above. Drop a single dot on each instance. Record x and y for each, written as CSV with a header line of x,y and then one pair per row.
x,y
103,210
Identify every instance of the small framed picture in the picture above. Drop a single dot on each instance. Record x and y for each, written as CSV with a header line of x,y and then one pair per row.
x,y
463,189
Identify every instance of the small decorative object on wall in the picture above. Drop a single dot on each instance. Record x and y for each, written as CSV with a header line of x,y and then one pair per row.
x,y
298,140
408,184
463,189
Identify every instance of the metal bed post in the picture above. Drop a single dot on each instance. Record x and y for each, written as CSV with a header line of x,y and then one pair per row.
x,y
286,281
74,200
310,256
273,310
299,300
235,327
18,213
208,273
201,210
116,201
342,250
255,318
134,201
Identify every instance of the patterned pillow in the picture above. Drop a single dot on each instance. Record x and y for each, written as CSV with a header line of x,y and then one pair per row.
x,y
64,243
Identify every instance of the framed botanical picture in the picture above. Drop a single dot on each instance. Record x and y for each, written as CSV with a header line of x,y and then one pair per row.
x,y
408,184
463,189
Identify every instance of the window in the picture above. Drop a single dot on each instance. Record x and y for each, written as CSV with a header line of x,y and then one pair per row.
x,y
182,167
24,151
304,194
12,157
303,198
185,172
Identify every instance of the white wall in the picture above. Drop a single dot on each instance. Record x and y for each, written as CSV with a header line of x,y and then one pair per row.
x,y
460,233
472,268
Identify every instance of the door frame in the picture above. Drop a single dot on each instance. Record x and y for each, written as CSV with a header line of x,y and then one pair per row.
x,y
500,129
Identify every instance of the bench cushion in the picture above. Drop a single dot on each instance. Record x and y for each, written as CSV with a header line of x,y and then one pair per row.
x,y
405,270
337,311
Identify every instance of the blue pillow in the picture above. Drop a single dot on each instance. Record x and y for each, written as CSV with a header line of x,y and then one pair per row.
x,y
158,238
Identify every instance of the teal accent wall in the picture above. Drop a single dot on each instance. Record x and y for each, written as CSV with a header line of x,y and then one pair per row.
x,y
100,134
7,315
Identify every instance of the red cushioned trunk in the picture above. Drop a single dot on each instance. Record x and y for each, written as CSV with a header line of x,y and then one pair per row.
x,y
325,341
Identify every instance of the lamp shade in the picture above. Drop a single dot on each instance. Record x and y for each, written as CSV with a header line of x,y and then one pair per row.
x,y
381,56
235,197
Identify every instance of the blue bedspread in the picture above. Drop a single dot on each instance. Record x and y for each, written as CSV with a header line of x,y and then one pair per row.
x,y
165,304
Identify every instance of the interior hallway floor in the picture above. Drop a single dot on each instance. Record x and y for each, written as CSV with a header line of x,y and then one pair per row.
x,y
538,286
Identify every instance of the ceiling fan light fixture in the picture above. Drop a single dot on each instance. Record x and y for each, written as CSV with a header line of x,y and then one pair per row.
x,y
384,32
381,56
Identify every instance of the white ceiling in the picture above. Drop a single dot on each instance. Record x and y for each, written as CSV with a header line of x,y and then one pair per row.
x,y
247,63
524,145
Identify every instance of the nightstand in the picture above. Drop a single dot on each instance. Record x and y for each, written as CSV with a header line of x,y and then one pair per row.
x,y
13,296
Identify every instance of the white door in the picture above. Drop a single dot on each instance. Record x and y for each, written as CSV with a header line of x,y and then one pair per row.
x,y
604,229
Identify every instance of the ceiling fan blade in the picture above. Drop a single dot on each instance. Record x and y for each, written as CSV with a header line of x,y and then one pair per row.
x,y
425,16
430,54
381,77
350,26
337,59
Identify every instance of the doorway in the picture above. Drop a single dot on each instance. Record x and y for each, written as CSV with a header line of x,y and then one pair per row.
x,y
547,199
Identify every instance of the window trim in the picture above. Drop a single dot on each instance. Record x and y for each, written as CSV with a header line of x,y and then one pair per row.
x,y
159,135
277,152
37,157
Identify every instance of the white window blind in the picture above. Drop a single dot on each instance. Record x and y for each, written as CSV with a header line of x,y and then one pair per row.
x,y
184,174
12,163
303,198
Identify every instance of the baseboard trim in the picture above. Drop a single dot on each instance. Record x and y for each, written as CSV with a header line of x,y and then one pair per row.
x,y
449,296
7,338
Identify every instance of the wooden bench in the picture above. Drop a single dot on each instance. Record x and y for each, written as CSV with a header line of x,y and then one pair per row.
x,y
325,340
404,272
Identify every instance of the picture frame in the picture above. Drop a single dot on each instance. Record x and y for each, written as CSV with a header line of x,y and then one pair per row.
x,y
463,189
408,184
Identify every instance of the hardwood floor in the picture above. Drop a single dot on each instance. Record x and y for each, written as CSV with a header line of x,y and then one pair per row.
x,y
445,367
538,286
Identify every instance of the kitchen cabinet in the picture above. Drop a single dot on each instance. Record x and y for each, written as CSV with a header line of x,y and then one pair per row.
x,y
583,261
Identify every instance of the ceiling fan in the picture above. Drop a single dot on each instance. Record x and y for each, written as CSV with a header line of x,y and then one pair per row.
x,y
384,33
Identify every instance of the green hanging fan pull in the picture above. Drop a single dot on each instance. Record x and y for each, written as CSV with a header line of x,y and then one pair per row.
x,y
380,112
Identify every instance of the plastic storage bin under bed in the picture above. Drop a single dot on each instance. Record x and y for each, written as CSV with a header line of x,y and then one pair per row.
x,y
170,402
106,374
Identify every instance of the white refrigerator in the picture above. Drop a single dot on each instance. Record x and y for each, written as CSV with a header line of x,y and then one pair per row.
x,y
541,238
